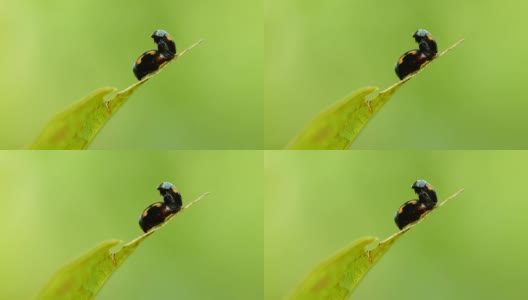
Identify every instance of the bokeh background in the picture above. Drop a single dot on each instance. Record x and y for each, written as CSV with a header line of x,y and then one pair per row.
x,y
471,248
57,205
55,53
318,52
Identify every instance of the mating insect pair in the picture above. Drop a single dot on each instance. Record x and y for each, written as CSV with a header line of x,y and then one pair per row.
x,y
412,60
151,60
155,214
411,211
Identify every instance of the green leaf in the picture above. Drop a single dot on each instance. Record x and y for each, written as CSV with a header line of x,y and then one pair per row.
x,y
77,126
84,277
337,276
339,125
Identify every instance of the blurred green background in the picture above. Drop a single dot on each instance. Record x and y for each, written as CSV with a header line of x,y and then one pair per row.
x,y
57,52
58,205
318,52
472,248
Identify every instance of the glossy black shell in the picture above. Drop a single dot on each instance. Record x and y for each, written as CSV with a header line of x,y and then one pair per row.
x,y
147,63
409,212
426,193
409,62
426,43
165,42
154,215
171,195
